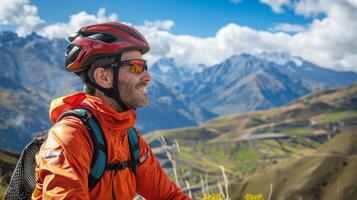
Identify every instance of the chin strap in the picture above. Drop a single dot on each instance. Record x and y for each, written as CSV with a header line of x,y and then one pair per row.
x,y
115,94
112,92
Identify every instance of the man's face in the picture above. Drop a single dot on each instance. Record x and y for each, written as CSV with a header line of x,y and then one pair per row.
x,y
133,86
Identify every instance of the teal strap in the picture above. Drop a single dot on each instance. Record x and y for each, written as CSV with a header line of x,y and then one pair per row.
x,y
98,164
134,148
99,158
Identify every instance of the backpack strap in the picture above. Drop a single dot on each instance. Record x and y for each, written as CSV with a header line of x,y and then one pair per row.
x,y
134,149
134,158
100,154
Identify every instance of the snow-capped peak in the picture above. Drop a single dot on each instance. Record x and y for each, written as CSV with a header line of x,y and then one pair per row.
x,y
280,58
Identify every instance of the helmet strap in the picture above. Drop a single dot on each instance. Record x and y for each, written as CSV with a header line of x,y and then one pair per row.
x,y
115,94
112,92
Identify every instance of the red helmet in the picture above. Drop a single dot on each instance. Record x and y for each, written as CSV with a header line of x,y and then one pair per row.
x,y
105,39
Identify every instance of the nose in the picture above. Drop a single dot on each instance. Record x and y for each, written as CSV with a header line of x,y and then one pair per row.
x,y
146,77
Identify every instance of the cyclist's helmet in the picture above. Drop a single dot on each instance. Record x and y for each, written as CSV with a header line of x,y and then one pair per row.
x,y
105,39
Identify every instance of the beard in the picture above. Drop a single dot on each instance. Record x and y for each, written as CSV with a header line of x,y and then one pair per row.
x,y
134,96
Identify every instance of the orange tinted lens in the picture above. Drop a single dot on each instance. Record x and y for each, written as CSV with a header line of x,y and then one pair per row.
x,y
137,66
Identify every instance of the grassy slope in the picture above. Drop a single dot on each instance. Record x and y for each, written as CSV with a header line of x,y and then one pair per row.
x,y
328,173
219,142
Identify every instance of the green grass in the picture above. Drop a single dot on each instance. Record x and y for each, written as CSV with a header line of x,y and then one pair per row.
x,y
331,117
206,162
247,160
247,154
2,192
247,167
8,158
289,148
298,131
198,160
216,153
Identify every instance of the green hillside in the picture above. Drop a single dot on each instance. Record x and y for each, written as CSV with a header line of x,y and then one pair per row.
x,y
328,173
248,143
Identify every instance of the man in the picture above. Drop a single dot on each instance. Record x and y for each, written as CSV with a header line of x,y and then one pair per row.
x,y
108,58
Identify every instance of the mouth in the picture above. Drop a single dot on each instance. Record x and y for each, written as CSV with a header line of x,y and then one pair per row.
x,y
142,89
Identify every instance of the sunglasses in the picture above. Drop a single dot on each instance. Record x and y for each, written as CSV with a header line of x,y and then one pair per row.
x,y
136,65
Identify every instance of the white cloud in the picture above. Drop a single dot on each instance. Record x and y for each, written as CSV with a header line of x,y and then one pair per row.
x,y
24,15
21,13
229,40
76,21
328,41
164,25
276,5
289,28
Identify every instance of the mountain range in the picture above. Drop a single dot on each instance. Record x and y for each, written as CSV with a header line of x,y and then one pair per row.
x,y
32,74
245,83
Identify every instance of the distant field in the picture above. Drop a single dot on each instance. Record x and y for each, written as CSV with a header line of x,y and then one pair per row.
x,y
331,117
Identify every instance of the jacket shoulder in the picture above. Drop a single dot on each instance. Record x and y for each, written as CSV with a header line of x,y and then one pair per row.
x,y
70,134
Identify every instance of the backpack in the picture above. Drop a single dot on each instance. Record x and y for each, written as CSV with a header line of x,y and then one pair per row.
x,y
23,179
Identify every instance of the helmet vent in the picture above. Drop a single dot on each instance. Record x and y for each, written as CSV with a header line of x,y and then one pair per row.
x,y
103,37
72,53
130,32
80,58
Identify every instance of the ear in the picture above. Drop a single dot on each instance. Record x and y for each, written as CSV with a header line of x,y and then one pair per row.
x,y
103,77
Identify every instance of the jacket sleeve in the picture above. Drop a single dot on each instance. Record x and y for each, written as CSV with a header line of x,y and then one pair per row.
x,y
63,164
151,180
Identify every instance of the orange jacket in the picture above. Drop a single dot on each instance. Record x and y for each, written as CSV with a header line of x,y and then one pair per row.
x,y
63,173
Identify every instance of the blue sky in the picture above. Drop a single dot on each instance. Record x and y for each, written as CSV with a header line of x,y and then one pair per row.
x,y
205,31
193,17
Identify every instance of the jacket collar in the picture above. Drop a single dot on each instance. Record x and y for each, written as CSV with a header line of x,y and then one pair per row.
x,y
102,111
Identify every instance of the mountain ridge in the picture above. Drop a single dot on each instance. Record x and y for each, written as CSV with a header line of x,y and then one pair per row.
x,y
245,83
